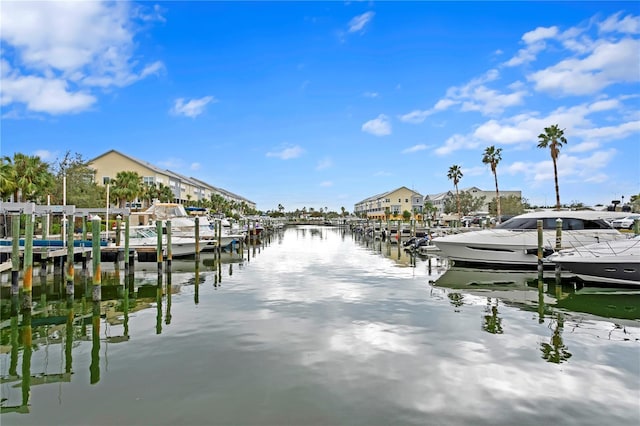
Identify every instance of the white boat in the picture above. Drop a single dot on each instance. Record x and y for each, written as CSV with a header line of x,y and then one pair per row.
x,y
514,243
146,237
182,224
612,262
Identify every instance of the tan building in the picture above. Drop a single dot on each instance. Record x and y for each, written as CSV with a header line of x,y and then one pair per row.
x,y
394,202
184,188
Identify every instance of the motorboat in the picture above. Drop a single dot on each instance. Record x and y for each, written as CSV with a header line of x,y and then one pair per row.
x,y
146,237
182,224
611,262
514,243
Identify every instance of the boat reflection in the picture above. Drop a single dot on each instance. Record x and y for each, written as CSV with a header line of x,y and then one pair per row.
x,y
525,290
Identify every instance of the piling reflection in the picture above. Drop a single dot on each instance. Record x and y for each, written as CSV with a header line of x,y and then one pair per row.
x,y
492,322
556,351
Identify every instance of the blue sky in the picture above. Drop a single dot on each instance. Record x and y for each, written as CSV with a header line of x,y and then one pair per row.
x,y
322,104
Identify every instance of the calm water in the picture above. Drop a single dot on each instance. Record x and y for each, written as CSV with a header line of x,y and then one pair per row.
x,y
323,328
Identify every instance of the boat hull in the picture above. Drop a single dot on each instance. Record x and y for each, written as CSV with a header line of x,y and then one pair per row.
x,y
512,248
623,270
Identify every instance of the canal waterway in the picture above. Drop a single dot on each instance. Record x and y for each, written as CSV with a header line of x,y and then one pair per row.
x,y
323,327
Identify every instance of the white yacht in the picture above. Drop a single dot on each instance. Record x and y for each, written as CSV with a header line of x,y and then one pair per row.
x,y
514,243
611,262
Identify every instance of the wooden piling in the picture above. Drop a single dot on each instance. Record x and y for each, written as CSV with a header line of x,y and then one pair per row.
x,y
84,238
197,236
540,251
558,247
70,270
95,255
15,253
27,336
159,245
169,251
129,256
27,278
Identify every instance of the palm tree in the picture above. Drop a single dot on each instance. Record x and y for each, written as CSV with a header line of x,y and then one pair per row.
x,y
7,178
33,177
553,138
455,174
126,187
492,157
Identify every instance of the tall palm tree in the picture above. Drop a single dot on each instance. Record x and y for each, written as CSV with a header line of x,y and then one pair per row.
x,y
553,138
455,174
492,157
126,187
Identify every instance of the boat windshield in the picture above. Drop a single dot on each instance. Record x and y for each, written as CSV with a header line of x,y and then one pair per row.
x,y
568,224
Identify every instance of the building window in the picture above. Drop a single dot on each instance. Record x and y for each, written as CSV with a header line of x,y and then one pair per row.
x,y
106,180
148,180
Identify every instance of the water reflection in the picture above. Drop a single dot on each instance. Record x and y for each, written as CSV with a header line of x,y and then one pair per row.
x,y
556,351
309,332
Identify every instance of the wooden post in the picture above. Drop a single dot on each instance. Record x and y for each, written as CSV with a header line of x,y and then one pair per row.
x,y
45,226
84,238
159,245
636,227
95,255
169,251
558,248
159,304
540,242
27,277
15,253
558,234
70,254
118,224
197,236
128,265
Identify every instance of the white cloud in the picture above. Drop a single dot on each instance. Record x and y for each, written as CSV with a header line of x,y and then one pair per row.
x,y
455,143
416,116
195,166
370,94
287,153
191,108
45,155
326,183
324,163
571,169
379,126
359,22
60,51
609,63
627,25
535,43
40,94
539,34
415,148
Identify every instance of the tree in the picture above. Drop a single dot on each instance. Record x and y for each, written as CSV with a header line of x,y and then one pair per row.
x,y
455,174
7,178
553,138
343,210
492,157
33,178
126,187
466,202
430,209
511,205
81,189
406,215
